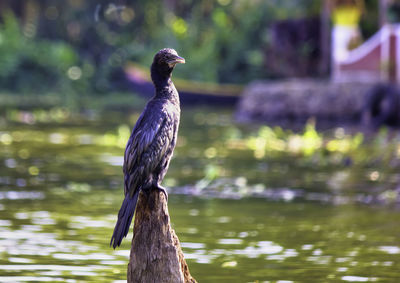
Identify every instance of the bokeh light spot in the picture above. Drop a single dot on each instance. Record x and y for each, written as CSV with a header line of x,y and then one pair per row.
x,y
33,170
374,176
179,27
127,15
74,73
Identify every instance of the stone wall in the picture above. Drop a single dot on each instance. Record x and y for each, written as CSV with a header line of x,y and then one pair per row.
x,y
299,100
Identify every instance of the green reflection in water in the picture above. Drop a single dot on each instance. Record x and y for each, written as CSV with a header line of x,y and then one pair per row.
x,y
295,210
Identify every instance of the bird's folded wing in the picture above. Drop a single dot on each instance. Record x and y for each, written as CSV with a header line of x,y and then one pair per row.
x,y
148,143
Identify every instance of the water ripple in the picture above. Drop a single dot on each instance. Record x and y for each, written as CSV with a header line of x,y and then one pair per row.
x,y
390,249
14,195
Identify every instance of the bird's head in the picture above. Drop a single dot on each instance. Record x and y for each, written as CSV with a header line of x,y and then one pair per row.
x,y
165,61
168,57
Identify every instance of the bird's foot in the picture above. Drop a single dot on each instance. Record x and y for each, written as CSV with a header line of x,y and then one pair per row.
x,y
164,190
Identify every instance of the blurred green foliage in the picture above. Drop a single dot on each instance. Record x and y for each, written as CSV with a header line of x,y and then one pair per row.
x,y
82,45
224,41
370,20
28,63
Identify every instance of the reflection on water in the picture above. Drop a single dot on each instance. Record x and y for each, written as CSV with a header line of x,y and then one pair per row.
x,y
242,215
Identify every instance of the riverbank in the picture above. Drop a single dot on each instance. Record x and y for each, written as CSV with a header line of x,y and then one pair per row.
x,y
113,100
299,100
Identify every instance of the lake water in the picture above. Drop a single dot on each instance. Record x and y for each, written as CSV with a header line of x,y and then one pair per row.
x,y
248,204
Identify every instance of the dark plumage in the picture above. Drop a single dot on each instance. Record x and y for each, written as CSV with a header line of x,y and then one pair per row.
x,y
153,139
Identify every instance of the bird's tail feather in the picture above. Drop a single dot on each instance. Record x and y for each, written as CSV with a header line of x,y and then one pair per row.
x,y
125,216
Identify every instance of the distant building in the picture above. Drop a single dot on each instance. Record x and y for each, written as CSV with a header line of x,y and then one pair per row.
x,y
378,58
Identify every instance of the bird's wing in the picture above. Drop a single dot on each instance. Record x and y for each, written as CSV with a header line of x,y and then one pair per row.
x,y
148,143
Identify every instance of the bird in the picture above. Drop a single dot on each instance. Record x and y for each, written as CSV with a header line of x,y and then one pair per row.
x,y
150,147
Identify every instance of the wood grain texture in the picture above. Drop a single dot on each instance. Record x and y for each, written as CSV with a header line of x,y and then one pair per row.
x,y
156,255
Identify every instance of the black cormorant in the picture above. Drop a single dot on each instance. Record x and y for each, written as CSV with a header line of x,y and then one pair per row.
x,y
153,139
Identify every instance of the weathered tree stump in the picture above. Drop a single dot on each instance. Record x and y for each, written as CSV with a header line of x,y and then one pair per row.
x,y
156,254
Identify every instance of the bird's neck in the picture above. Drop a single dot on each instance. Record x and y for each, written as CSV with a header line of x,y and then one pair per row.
x,y
168,92
160,77
164,86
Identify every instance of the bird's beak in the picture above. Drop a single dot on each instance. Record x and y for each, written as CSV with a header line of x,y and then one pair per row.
x,y
176,60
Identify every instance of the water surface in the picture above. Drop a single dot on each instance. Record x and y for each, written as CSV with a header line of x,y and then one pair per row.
x,y
249,204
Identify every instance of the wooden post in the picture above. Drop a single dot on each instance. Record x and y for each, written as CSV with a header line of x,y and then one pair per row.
x,y
325,38
383,7
156,255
